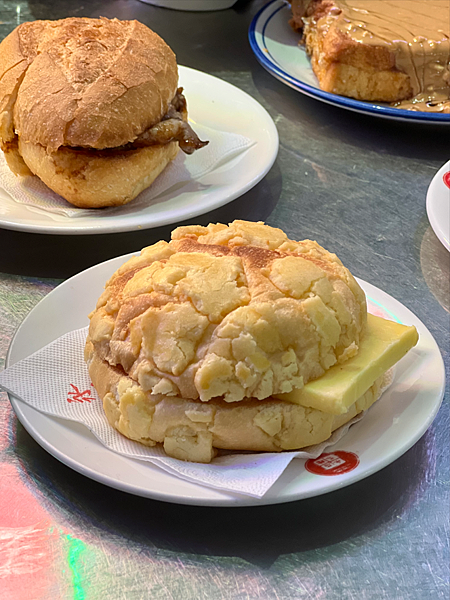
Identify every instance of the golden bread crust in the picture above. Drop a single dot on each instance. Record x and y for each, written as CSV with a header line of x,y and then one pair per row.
x,y
14,159
236,312
95,179
14,62
95,83
193,430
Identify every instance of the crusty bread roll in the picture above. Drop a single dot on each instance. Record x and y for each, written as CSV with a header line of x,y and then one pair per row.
x,y
192,338
77,100
94,83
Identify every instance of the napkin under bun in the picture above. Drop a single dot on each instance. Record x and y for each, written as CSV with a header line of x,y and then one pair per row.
x,y
74,94
191,338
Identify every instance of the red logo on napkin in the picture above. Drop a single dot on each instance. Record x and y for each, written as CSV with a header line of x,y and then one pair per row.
x,y
333,463
76,396
446,179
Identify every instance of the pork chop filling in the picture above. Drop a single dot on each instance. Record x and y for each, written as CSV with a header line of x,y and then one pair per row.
x,y
172,127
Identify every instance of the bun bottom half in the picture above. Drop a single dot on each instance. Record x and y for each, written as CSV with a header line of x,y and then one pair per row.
x,y
97,179
193,430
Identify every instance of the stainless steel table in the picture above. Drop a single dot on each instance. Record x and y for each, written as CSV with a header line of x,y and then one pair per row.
x,y
357,185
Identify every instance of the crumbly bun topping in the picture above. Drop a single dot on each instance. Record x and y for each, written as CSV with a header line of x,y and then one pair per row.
x,y
230,312
95,83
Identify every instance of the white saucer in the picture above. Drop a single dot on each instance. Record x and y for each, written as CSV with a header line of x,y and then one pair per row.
x,y
390,428
438,204
276,46
212,103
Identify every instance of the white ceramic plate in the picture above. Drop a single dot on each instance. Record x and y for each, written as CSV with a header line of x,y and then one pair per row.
x,y
438,204
390,428
213,103
276,46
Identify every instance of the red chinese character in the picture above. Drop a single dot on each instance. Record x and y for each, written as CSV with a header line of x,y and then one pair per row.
x,y
76,396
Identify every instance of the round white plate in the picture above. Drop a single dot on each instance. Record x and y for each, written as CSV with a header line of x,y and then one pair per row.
x,y
438,204
276,46
213,103
390,428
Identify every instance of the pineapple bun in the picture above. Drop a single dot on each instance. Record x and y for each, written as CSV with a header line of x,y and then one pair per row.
x,y
192,338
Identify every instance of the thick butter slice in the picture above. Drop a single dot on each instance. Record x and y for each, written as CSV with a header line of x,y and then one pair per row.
x,y
384,343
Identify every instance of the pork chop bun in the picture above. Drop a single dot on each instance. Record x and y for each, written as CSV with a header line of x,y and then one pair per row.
x,y
92,107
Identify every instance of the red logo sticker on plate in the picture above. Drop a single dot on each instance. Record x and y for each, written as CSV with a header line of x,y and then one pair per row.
x,y
333,463
447,179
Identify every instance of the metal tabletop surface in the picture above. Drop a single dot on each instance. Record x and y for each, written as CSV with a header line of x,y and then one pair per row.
x,y
357,184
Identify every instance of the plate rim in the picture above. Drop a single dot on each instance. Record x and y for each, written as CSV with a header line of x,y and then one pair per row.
x,y
215,497
430,198
116,223
359,106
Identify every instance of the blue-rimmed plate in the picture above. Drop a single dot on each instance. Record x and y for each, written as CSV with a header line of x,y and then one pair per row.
x,y
276,46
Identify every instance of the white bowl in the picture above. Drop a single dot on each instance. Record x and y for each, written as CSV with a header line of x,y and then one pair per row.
x,y
192,4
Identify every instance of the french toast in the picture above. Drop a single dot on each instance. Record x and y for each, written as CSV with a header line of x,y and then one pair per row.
x,y
394,51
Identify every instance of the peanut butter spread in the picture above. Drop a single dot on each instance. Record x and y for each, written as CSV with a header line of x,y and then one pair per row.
x,y
416,33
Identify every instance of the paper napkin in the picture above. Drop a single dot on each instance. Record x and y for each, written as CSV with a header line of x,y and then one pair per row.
x,y
55,381
223,147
